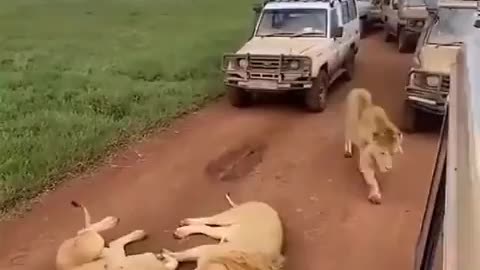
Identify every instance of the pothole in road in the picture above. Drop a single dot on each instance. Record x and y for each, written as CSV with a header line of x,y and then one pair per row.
x,y
236,163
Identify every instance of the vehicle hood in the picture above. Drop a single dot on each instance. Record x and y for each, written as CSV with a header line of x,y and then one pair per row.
x,y
414,12
285,45
438,58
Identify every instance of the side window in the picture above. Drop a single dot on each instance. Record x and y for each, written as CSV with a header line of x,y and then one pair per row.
x,y
352,5
345,17
386,2
333,20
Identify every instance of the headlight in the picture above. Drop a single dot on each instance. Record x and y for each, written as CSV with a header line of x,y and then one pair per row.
x,y
294,64
243,63
416,23
433,81
424,80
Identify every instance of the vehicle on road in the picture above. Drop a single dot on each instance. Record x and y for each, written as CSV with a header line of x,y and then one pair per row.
x,y
296,46
403,20
428,82
449,237
370,13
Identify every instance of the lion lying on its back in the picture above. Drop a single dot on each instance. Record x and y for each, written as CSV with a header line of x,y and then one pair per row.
x,y
369,129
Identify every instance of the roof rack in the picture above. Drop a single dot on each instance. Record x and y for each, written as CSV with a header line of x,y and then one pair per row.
x,y
297,1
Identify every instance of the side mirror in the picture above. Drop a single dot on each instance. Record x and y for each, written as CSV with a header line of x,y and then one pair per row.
x,y
337,32
257,8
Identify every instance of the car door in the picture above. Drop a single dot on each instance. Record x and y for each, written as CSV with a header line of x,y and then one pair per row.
x,y
393,22
387,12
354,23
336,45
347,28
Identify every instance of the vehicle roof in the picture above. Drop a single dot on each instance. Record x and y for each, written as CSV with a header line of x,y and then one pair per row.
x,y
298,5
458,3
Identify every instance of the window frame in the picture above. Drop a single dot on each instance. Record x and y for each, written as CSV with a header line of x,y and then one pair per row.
x,y
352,7
345,12
333,14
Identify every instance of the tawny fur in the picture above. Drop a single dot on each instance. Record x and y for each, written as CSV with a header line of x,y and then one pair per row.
x,y
87,251
252,239
368,129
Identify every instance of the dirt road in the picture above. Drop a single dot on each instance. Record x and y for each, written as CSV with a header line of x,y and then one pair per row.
x,y
272,152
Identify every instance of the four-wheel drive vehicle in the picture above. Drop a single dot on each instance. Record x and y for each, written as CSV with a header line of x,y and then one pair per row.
x,y
404,20
295,46
369,12
428,82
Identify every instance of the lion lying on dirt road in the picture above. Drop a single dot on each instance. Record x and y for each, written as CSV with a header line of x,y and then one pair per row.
x,y
250,234
369,129
87,251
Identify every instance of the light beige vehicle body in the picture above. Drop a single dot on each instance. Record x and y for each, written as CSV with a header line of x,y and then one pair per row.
x,y
302,46
437,52
403,20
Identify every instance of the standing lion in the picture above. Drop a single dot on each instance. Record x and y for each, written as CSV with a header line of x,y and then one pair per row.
x,y
369,129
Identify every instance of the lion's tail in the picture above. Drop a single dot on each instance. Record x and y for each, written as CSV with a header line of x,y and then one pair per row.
x,y
357,101
88,219
230,201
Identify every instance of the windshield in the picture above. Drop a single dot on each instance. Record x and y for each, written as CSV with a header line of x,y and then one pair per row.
x,y
452,26
414,3
293,22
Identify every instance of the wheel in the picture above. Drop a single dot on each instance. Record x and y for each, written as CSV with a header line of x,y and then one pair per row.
x,y
316,97
349,66
363,27
386,33
410,118
403,42
239,97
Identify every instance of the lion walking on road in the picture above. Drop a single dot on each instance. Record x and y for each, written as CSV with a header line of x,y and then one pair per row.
x,y
368,128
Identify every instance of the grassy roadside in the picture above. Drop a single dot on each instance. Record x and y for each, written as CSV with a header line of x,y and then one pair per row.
x,y
78,76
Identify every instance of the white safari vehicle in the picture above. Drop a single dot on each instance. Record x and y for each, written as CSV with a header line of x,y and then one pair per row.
x,y
403,20
450,233
437,51
369,12
295,46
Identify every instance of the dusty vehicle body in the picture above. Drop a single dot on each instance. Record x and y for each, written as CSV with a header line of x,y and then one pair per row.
x,y
370,13
403,20
295,46
428,81
450,234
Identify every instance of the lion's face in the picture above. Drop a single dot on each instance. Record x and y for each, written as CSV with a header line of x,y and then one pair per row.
x,y
383,157
384,146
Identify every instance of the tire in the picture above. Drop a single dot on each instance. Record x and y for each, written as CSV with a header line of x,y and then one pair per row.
x,y
363,27
410,118
316,97
238,97
349,66
387,37
403,42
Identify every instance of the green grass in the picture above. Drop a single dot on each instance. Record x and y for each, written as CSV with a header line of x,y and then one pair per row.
x,y
79,76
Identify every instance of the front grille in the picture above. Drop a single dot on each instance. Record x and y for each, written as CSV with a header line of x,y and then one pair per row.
x,y
418,87
264,63
445,85
270,63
